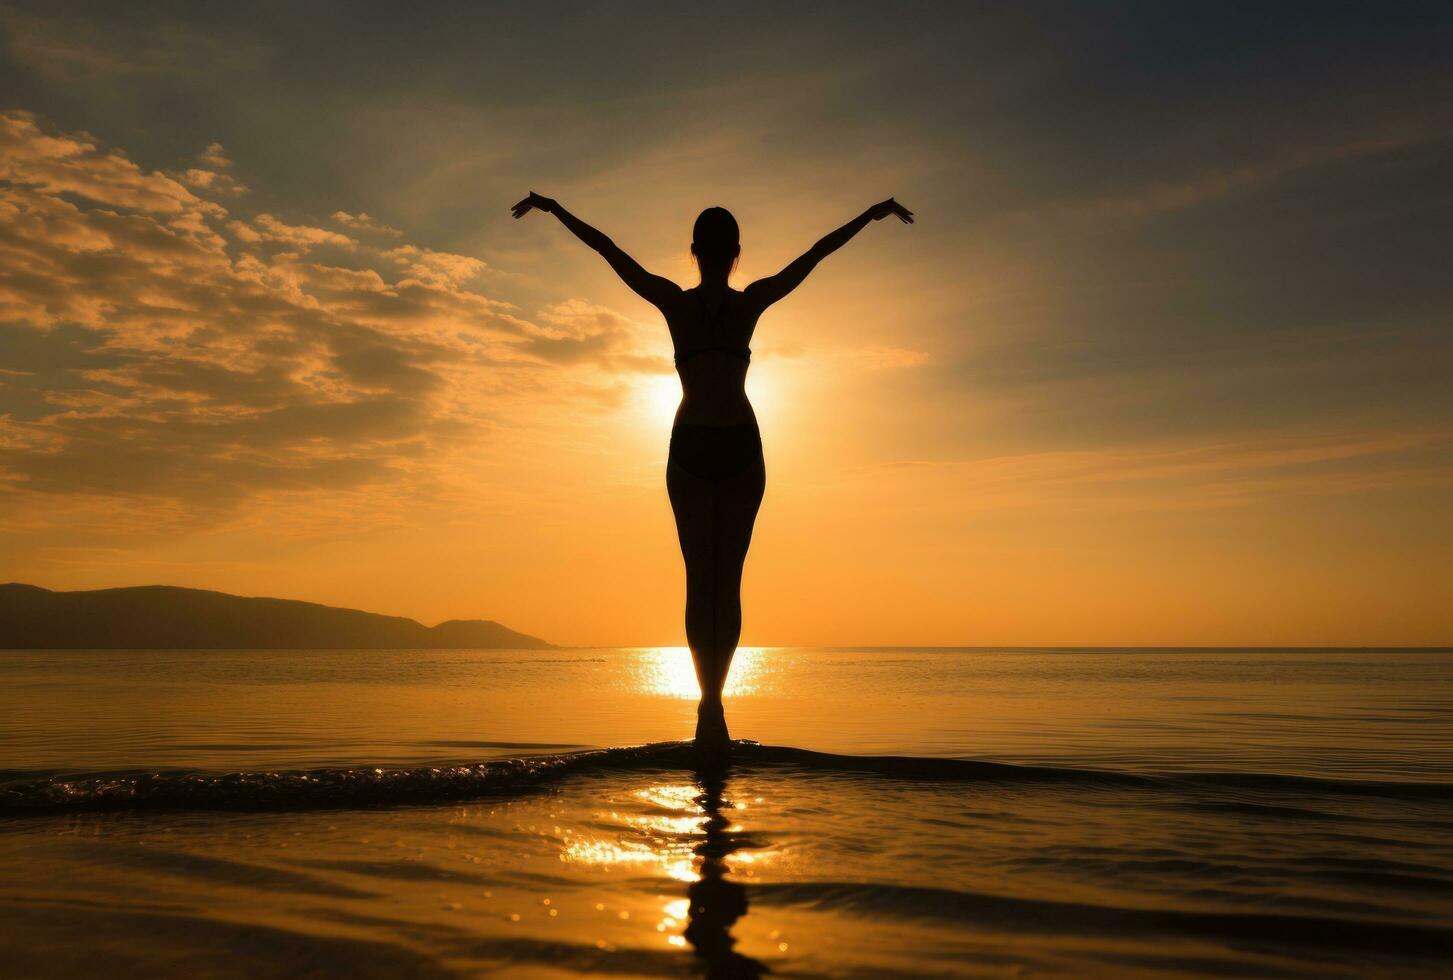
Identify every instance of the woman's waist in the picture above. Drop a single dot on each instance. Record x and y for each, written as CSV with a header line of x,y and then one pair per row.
x,y
729,427
715,412
695,438
686,420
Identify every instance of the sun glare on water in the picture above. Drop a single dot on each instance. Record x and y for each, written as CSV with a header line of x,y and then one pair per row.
x,y
668,671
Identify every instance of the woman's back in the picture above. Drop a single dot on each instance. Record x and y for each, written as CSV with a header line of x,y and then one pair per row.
x,y
715,472
711,331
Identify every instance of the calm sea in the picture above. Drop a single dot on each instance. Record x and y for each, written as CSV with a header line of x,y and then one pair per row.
x,y
906,813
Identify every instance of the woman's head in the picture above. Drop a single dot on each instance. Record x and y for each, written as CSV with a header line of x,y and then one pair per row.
x,y
716,241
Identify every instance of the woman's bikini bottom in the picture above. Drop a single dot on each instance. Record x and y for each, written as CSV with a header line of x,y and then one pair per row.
x,y
716,452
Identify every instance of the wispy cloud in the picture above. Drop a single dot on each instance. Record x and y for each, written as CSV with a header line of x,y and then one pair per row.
x,y
364,223
1184,476
1222,183
81,49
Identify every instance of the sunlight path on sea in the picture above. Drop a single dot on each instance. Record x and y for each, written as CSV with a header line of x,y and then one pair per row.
x,y
1354,714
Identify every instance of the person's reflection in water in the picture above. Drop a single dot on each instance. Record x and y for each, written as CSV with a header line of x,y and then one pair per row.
x,y
715,903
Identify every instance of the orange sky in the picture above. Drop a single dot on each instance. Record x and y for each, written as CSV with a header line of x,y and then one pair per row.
x,y
1190,393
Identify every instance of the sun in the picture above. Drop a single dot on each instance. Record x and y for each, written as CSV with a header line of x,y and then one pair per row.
x,y
660,394
762,386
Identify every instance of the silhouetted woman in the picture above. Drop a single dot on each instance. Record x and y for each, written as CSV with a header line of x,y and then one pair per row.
x,y
714,472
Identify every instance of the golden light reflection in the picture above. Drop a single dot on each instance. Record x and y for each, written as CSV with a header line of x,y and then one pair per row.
x,y
664,825
676,862
691,841
669,672
678,797
665,840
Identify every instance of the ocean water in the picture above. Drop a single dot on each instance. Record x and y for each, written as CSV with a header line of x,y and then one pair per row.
x,y
899,813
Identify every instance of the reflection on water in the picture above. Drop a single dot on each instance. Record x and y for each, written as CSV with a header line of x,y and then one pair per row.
x,y
690,837
668,672
716,903
660,841
849,871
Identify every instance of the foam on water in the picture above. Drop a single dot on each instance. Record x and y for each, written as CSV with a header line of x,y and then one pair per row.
x,y
363,786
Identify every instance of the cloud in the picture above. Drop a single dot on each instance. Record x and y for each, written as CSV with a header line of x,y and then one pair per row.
x,y
1188,476
215,157
436,267
1229,182
209,176
211,180
577,332
155,346
364,223
71,49
266,228
884,357
73,164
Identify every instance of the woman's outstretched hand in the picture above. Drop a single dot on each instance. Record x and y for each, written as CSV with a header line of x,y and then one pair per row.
x,y
536,201
881,211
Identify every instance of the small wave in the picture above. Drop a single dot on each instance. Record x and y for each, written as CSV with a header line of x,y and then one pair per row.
x,y
379,786
1322,786
311,788
461,744
1050,915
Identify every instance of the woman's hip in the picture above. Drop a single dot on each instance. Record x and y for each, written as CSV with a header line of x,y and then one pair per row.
x,y
716,452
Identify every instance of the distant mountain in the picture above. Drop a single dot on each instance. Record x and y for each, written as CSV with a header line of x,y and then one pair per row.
x,y
168,618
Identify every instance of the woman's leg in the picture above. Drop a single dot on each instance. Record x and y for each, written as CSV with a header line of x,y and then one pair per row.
x,y
693,501
714,521
738,500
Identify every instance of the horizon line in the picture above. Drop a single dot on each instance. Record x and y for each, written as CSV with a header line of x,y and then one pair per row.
x,y
1047,648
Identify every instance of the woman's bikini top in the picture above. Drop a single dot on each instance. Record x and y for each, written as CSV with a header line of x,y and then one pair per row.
x,y
712,331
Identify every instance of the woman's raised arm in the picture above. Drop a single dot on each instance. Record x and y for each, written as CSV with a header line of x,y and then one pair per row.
x,y
764,292
653,289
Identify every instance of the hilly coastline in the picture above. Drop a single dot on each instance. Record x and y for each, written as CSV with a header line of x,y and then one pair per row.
x,y
164,617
